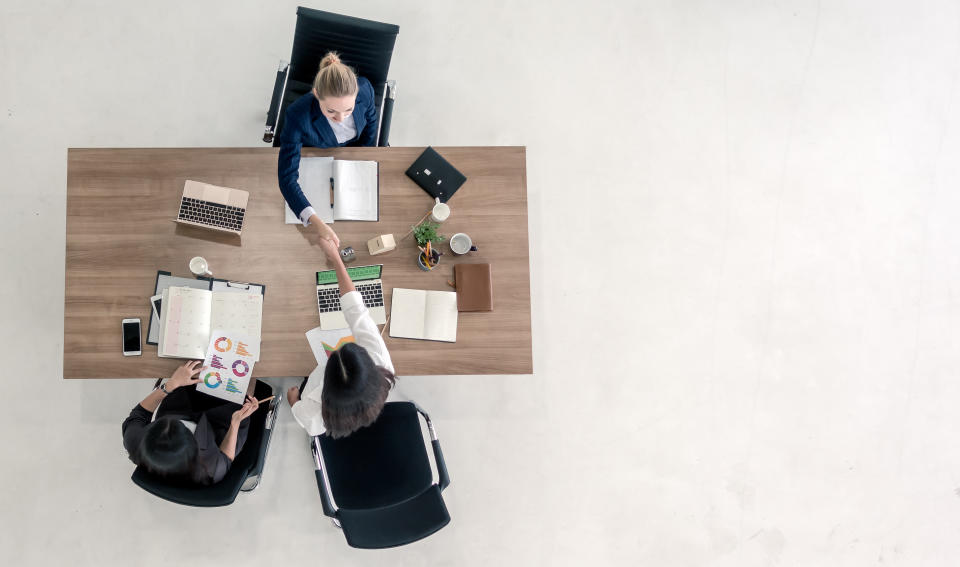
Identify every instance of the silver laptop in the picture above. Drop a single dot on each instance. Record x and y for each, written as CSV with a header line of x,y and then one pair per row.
x,y
367,281
209,206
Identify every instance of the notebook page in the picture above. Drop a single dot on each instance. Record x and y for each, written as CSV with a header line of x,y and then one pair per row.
x,y
406,313
315,174
440,319
239,313
163,282
162,322
356,194
187,323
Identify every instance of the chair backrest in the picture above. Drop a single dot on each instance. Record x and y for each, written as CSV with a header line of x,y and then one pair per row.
x,y
382,483
225,491
381,464
365,45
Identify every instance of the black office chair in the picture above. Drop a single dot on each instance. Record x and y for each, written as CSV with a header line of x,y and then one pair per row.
x,y
382,487
245,473
365,45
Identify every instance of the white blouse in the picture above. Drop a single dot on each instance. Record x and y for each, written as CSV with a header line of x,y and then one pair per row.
x,y
307,411
345,130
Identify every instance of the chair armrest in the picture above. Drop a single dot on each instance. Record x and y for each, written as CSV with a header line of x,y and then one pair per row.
x,y
387,114
444,477
271,419
255,474
441,464
279,88
325,499
272,415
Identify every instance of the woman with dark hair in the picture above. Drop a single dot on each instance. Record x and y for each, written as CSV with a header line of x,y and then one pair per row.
x,y
186,436
358,378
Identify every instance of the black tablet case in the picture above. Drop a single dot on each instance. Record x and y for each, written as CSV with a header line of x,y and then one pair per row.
x,y
435,175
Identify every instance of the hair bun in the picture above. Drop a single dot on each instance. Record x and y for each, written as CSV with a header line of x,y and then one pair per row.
x,y
329,59
334,78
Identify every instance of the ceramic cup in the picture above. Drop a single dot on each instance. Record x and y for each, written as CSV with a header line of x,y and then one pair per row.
x,y
199,266
440,212
460,244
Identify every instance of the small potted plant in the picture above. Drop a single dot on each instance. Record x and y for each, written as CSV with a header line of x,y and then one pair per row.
x,y
427,241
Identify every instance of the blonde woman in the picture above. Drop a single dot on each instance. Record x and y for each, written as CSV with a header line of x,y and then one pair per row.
x,y
340,112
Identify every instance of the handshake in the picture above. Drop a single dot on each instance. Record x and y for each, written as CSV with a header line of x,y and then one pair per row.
x,y
326,239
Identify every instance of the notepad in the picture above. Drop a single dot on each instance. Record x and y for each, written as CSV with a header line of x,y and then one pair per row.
x,y
474,287
356,189
188,316
424,314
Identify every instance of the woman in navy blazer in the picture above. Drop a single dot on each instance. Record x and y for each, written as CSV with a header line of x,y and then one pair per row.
x,y
340,112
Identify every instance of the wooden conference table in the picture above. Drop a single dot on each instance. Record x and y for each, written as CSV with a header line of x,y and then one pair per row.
x,y
120,206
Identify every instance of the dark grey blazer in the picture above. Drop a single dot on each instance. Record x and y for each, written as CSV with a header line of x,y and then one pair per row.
x,y
212,425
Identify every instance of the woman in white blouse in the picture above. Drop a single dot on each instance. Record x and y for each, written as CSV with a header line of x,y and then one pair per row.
x,y
358,379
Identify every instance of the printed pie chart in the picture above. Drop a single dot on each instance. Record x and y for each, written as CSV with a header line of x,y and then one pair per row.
x,y
244,365
212,379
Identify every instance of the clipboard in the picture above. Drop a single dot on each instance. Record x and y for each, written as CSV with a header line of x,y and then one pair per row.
x,y
165,280
217,284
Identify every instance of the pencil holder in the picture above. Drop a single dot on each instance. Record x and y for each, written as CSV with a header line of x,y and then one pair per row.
x,y
422,263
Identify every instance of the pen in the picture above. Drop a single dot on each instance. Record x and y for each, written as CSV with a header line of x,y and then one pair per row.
x,y
331,192
265,399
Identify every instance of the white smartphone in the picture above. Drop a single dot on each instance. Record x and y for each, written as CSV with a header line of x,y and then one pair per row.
x,y
131,337
155,302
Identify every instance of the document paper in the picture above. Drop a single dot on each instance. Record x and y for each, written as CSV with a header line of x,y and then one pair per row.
x,y
324,342
228,365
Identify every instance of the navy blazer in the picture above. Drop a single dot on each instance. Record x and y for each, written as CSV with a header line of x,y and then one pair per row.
x,y
305,125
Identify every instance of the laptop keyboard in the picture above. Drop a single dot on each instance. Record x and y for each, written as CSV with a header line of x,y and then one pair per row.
x,y
212,214
329,298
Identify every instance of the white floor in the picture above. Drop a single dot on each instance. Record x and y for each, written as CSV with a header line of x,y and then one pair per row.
x,y
745,279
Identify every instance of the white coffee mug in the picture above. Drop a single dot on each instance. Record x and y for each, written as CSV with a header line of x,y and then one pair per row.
x,y
460,243
199,266
440,212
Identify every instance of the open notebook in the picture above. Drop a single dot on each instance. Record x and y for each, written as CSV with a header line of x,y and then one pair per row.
x,y
424,314
188,316
356,189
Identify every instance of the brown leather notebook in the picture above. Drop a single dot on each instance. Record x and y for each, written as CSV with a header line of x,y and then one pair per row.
x,y
474,287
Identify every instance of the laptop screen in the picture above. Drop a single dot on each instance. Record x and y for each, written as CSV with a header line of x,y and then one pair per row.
x,y
358,273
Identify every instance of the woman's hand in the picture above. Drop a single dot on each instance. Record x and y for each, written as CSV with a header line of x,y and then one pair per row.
x,y
324,232
249,406
185,375
330,249
293,395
